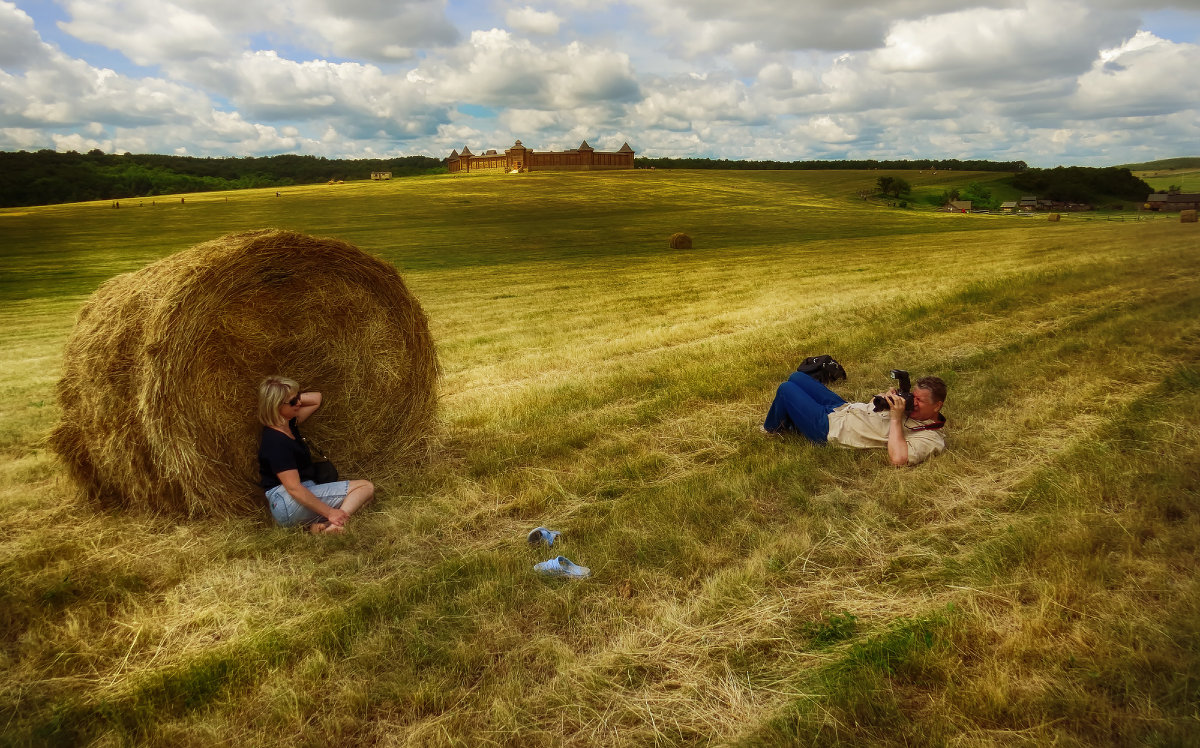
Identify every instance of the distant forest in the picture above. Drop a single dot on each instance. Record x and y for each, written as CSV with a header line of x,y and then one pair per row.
x,y
46,176
1082,184
927,163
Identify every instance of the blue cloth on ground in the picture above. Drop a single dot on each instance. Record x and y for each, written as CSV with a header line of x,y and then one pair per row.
x,y
542,535
562,567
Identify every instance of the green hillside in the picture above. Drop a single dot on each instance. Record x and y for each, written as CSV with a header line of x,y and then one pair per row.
x,y
1166,164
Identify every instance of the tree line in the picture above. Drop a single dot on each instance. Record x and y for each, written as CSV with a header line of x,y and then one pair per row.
x,y
46,176
1082,184
723,163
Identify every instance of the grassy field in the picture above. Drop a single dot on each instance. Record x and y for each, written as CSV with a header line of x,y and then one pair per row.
x,y
1187,180
1034,585
1172,172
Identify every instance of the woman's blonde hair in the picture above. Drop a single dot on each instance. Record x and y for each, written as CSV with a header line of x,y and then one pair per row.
x,y
272,394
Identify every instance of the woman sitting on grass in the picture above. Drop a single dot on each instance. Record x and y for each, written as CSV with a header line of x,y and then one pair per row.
x,y
286,465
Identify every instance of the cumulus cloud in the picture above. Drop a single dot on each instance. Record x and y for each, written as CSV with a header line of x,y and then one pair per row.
x,y
149,32
172,33
533,21
704,26
790,79
1038,40
20,44
1143,77
496,68
67,92
369,29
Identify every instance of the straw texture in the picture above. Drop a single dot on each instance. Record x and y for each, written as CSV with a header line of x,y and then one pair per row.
x,y
680,241
160,377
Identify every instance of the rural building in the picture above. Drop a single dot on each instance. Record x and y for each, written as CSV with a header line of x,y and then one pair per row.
x,y
522,159
381,175
1008,206
1027,202
958,206
1173,201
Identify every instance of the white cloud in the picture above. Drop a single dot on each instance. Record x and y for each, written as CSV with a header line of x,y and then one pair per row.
x,y
20,45
495,68
1144,77
705,26
149,32
1042,39
533,21
791,79
173,33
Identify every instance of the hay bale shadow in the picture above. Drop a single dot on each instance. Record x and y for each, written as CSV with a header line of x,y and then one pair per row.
x,y
160,375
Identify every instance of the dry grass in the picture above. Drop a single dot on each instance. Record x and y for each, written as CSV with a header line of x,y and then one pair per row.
x,y
164,362
1032,585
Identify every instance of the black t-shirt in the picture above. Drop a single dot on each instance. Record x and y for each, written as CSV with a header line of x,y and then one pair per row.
x,y
278,454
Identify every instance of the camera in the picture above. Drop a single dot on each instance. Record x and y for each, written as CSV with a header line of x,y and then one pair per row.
x,y
903,386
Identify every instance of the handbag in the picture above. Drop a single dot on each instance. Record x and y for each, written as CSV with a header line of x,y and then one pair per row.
x,y
323,469
824,369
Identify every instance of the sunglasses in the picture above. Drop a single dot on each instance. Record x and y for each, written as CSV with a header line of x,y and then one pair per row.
x,y
294,401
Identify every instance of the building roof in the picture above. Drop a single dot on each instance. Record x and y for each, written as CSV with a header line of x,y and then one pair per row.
x,y
625,148
454,155
584,147
1008,204
1184,197
466,152
960,204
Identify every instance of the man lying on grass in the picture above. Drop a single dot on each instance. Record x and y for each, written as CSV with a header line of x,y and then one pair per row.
x,y
803,404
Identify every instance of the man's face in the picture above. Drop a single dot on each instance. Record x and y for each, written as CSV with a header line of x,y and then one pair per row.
x,y
924,408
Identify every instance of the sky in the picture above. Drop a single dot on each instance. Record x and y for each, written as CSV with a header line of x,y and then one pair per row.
x,y
1048,82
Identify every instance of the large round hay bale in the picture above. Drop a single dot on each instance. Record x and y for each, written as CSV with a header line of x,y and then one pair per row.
x,y
680,241
1187,216
1053,217
160,378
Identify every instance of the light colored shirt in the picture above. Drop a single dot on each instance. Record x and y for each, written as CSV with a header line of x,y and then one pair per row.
x,y
858,425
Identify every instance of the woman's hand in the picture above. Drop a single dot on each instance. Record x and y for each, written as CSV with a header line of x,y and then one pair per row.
x,y
337,517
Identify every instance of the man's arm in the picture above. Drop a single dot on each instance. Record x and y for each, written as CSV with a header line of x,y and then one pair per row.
x,y
897,444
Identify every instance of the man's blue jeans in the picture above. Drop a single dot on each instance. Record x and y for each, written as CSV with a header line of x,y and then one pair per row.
x,y
804,404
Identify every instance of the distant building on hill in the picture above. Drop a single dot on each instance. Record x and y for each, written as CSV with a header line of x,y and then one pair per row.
x,y
522,159
381,175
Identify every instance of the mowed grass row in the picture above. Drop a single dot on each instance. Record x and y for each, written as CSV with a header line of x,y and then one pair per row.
x,y
1032,584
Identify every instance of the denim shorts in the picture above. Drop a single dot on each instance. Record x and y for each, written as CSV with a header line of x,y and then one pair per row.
x,y
288,512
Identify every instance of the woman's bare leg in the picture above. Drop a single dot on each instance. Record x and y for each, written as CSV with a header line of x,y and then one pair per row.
x,y
361,492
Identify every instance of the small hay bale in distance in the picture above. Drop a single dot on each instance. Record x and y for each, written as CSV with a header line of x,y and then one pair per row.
x,y
1054,217
1187,216
159,392
680,241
